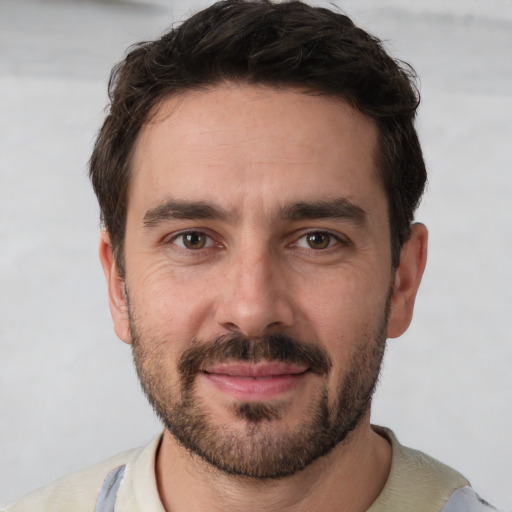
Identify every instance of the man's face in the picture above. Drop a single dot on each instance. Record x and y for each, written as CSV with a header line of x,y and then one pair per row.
x,y
258,274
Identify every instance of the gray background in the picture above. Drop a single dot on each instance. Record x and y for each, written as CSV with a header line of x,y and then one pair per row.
x,y
68,394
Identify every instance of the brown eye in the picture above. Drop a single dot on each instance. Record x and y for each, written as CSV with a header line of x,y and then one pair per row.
x,y
193,240
318,240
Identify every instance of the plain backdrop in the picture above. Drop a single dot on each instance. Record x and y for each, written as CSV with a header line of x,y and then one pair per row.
x,y
69,396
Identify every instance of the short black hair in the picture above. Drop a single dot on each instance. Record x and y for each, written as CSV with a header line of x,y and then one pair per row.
x,y
278,44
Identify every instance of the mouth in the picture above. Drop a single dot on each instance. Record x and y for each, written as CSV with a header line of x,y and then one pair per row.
x,y
254,381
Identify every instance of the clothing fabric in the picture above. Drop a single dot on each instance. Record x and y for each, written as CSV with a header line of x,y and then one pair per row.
x,y
127,483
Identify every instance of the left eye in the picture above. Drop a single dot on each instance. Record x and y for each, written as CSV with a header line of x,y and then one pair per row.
x,y
317,240
193,240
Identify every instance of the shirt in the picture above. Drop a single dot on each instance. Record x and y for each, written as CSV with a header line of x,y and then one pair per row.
x,y
127,483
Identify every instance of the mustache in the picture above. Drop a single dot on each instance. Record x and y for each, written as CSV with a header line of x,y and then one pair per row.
x,y
237,347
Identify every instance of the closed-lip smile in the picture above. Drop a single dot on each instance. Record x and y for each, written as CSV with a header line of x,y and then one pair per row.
x,y
254,381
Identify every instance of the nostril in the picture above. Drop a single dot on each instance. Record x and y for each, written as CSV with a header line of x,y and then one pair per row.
x,y
232,327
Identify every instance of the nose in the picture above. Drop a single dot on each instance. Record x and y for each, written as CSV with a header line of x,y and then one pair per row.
x,y
253,298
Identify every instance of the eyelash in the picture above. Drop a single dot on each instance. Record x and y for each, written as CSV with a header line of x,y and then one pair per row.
x,y
333,240
209,240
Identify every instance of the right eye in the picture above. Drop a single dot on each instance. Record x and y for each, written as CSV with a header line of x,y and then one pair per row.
x,y
193,240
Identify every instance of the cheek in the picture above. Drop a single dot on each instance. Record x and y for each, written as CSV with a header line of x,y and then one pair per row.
x,y
340,300
169,302
341,314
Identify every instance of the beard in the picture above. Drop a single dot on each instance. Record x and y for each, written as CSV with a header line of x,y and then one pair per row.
x,y
260,450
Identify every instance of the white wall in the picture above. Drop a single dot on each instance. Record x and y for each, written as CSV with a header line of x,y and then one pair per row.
x,y
68,394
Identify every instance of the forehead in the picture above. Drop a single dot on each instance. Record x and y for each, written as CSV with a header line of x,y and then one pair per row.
x,y
239,143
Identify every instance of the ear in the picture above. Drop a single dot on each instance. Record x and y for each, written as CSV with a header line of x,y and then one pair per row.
x,y
408,275
116,289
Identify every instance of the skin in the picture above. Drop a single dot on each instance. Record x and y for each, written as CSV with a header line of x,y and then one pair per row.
x,y
251,152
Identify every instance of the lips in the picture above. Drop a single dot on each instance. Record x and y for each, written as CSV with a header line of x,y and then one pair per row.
x,y
254,381
255,370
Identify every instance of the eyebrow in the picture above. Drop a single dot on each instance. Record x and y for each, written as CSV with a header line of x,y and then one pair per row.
x,y
173,209
179,209
339,208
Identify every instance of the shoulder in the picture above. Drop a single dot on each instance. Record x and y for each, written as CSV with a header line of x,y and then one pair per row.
x,y
415,466
421,483
77,492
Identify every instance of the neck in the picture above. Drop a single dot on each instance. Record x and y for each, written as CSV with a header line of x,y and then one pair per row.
x,y
349,478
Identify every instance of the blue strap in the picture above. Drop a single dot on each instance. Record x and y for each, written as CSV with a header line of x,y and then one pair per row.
x,y
466,500
108,493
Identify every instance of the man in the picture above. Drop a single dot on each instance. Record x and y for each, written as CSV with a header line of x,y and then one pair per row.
x,y
257,175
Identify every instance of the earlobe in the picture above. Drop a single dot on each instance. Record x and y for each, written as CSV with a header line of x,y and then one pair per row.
x,y
407,280
116,289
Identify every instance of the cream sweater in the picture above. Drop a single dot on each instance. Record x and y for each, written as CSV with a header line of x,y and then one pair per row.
x,y
126,483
